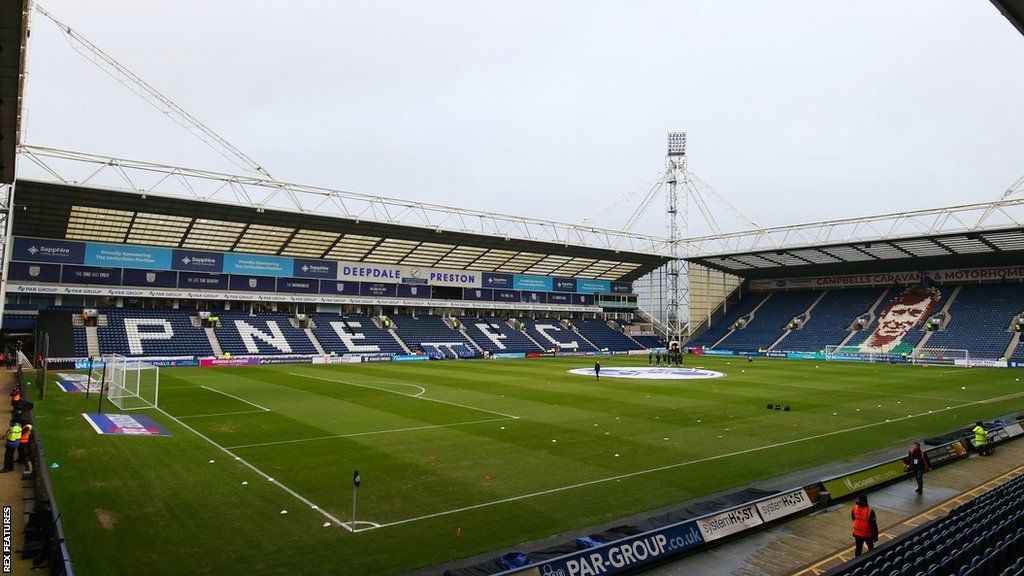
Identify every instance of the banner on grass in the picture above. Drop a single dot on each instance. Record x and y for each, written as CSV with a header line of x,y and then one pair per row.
x,y
125,425
863,479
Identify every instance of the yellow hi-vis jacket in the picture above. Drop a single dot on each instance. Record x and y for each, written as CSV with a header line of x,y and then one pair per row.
x,y
14,434
980,436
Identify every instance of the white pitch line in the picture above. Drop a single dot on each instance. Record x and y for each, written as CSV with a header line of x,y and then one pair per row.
x,y
354,434
418,397
685,463
224,414
298,496
820,389
236,398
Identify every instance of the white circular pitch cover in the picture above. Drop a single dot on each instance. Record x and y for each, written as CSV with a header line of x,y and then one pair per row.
x,y
651,373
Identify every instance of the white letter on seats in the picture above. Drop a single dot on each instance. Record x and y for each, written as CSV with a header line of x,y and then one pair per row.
x,y
275,338
543,330
135,338
349,339
495,337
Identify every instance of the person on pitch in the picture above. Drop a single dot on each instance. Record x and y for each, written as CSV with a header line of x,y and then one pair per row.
x,y
865,525
597,370
917,462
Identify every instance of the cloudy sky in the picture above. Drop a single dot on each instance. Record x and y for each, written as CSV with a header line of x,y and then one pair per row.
x,y
796,110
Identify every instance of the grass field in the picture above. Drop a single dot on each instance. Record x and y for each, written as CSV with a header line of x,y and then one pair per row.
x,y
506,451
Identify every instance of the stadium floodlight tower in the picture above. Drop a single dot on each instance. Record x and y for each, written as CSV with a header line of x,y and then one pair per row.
x,y
676,217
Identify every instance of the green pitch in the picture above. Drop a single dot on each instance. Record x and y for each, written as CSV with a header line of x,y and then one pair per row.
x,y
505,451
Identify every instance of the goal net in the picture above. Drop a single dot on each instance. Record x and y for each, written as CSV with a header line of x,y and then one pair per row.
x,y
941,356
853,353
131,384
920,356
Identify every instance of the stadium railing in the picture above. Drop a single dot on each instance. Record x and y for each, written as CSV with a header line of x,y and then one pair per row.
x,y
44,526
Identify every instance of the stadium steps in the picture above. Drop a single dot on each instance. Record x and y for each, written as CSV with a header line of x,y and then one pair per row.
x,y
462,330
944,310
568,325
871,316
316,343
750,316
1013,345
214,343
92,340
527,334
395,336
807,316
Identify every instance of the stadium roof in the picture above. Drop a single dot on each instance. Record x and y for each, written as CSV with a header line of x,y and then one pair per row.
x,y
1014,12
989,247
94,214
13,36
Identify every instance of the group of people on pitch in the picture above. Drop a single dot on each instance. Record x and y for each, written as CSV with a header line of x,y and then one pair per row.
x,y
865,525
671,357
17,439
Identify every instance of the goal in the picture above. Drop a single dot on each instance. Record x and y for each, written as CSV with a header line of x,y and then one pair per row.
x,y
941,356
853,354
131,384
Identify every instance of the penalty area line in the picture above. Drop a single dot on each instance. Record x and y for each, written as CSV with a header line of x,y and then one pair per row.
x,y
263,474
236,398
689,462
224,414
417,396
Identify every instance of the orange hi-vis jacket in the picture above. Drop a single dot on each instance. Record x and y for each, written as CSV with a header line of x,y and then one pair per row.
x,y
16,397
26,433
862,521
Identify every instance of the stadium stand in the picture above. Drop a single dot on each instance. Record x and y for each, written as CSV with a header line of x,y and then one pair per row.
x,y
722,327
151,332
550,333
266,333
352,333
770,320
980,319
982,537
431,335
830,320
495,335
650,341
600,334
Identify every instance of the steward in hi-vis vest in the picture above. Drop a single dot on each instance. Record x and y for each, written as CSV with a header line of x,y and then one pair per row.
x,y
865,526
981,440
11,442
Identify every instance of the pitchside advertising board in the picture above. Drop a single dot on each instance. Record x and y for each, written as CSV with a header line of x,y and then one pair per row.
x,y
890,278
866,478
154,259
630,554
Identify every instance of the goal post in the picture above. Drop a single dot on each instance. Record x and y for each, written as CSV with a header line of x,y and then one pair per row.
x,y
131,384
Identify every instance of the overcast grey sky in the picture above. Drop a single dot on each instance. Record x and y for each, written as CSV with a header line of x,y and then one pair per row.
x,y
796,110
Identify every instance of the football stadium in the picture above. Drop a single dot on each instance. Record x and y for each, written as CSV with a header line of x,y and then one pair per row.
x,y
227,373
